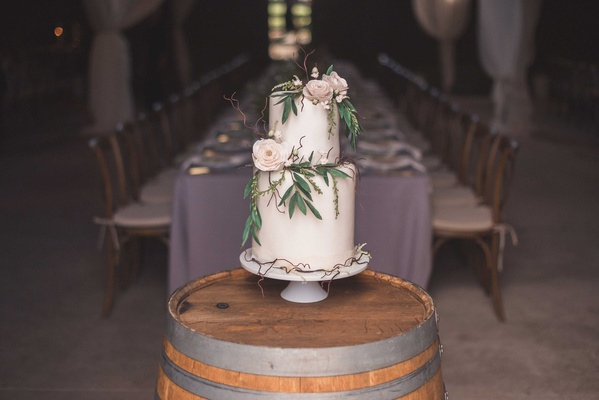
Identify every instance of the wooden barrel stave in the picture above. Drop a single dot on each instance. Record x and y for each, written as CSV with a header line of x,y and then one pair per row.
x,y
197,366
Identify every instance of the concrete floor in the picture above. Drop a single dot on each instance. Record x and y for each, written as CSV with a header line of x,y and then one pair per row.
x,y
55,346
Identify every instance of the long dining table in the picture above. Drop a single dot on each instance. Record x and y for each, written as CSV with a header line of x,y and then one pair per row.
x,y
392,215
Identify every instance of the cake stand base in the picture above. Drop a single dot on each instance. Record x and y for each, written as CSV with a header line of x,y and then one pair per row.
x,y
303,287
304,292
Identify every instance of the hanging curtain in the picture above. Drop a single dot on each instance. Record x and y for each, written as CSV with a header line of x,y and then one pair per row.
x,y
506,48
445,20
110,92
181,9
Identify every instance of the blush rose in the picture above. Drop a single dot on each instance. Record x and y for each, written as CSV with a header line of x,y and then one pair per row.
x,y
269,155
337,83
318,91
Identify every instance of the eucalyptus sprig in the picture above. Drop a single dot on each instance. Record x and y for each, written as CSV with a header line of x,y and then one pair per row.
x,y
288,100
254,221
298,196
348,113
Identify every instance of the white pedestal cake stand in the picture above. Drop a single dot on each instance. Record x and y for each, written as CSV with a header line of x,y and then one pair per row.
x,y
304,287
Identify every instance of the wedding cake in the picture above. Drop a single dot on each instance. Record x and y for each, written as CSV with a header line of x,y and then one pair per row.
x,y
302,193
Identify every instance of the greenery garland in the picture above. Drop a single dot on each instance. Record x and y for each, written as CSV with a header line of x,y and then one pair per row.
x,y
297,196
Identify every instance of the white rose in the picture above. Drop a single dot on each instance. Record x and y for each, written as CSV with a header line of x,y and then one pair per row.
x,y
336,82
318,90
269,155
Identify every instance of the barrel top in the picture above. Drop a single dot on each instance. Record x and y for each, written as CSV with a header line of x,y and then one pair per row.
x,y
239,307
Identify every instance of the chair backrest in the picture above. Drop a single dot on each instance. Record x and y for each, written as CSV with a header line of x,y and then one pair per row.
x,y
161,122
136,169
148,130
108,154
450,132
468,126
499,173
476,156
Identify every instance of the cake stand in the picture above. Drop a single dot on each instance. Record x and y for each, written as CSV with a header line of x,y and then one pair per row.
x,y
303,287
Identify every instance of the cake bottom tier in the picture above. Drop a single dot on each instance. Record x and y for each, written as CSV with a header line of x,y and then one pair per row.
x,y
304,241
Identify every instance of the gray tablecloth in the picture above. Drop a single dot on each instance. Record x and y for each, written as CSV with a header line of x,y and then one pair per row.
x,y
209,212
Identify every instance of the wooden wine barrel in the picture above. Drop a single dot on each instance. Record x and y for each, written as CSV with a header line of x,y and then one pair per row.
x,y
231,336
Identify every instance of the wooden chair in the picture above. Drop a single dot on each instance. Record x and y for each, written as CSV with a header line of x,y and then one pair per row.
x,y
146,186
449,133
124,222
153,132
446,137
468,190
483,224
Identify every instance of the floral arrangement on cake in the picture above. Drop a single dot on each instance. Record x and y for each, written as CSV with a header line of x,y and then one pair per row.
x,y
271,154
330,91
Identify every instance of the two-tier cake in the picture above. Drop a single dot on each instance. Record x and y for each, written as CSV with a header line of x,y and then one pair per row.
x,y
302,192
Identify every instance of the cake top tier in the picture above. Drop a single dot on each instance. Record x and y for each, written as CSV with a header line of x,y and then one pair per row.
x,y
318,104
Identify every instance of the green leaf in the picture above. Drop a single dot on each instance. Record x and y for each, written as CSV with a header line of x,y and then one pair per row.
x,y
301,204
302,182
286,195
349,105
346,115
314,210
292,204
248,188
257,218
246,230
255,236
325,177
305,192
343,111
283,100
330,70
286,110
338,173
293,106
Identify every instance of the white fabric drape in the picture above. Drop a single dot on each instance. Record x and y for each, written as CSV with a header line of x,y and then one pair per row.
x,y
445,20
181,9
506,48
110,92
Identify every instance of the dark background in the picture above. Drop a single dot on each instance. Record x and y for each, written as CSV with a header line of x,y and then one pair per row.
x,y
218,30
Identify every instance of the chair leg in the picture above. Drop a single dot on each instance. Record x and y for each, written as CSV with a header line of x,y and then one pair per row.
x,y
130,262
112,260
495,289
490,252
478,259
135,261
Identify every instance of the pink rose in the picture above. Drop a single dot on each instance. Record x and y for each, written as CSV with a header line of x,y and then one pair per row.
x,y
317,90
337,83
269,155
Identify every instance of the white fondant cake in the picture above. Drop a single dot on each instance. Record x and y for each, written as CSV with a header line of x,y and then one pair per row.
x,y
303,197
308,131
